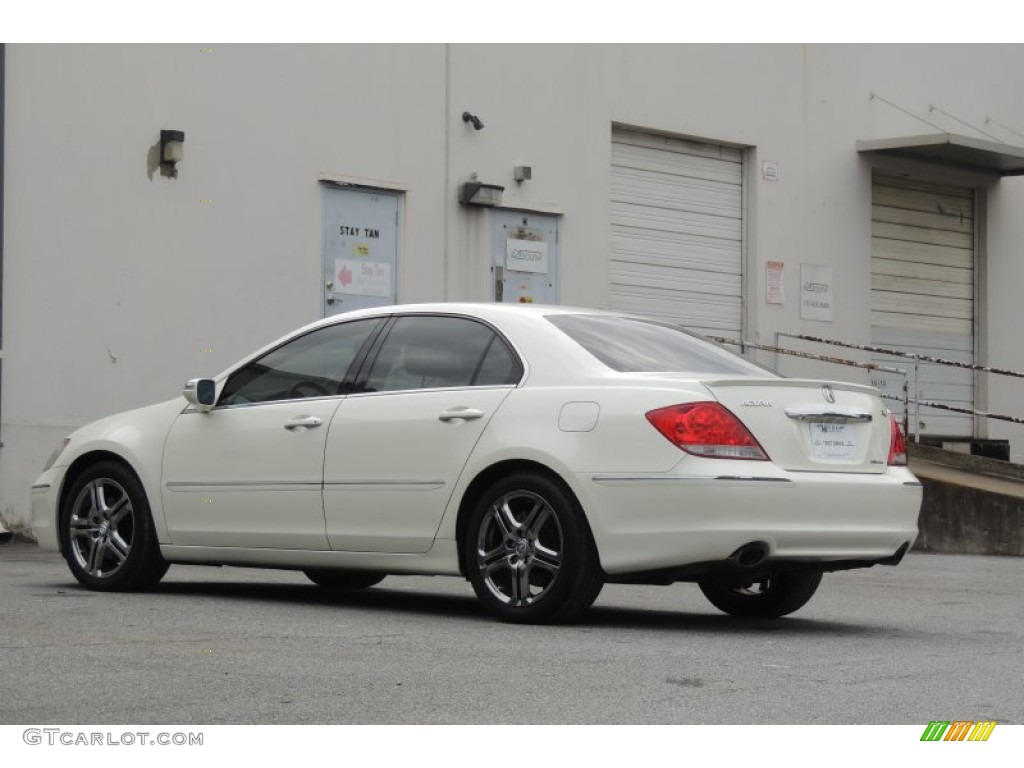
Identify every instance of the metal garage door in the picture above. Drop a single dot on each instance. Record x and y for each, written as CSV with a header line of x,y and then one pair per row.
x,y
922,290
677,231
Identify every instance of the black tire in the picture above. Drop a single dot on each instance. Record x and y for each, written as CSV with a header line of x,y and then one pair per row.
x,y
529,553
106,531
769,597
329,579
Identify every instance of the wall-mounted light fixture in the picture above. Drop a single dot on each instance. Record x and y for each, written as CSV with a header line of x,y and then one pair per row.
x,y
475,121
481,195
171,146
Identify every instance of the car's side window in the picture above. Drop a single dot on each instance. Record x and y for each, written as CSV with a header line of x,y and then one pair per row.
x,y
423,352
313,365
498,366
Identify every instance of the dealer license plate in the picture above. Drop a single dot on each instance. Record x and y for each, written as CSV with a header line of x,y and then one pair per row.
x,y
832,442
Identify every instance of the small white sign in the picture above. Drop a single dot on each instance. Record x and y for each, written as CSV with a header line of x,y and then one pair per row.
x,y
362,278
773,282
833,442
769,170
815,292
526,256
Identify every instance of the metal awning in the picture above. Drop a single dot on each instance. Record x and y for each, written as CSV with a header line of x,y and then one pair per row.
x,y
951,150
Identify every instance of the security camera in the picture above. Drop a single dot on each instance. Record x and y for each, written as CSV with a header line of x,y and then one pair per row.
x,y
473,120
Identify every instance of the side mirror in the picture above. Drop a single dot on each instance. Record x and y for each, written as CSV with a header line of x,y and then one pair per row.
x,y
202,393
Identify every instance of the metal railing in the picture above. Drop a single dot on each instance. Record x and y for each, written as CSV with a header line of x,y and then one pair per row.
x,y
744,345
915,358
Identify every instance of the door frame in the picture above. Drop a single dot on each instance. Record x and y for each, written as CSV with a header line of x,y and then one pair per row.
x,y
369,186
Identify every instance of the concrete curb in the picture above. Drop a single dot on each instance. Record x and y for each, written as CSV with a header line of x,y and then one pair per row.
x,y
972,505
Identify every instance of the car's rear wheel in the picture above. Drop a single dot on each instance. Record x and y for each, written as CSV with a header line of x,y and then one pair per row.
x,y
528,552
768,597
106,531
329,579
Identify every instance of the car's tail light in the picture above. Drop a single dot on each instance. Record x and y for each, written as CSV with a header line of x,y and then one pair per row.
x,y
707,429
897,444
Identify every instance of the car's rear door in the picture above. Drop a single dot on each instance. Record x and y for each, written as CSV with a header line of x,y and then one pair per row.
x,y
396,448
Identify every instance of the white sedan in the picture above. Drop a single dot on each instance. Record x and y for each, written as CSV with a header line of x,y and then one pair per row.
x,y
539,452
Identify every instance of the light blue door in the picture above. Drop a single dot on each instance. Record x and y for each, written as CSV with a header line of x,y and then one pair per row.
x,y
360,237
525,263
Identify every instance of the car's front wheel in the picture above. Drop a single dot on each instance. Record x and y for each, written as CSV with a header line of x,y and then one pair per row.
x,y
767,597
528,552
329,579
106,531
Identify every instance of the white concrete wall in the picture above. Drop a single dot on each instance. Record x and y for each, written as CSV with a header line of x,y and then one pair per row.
x,y
1004,285
116,277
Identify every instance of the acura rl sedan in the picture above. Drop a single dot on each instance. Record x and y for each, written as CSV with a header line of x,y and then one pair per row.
x,y
539,452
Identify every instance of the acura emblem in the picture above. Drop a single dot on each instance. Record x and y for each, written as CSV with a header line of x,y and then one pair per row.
x,y
828,394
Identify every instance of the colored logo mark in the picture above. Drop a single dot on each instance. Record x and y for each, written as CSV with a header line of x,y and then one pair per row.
x,y
958,730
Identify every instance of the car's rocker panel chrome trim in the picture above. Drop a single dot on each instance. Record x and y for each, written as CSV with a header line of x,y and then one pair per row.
x,y
264,485
750,479
640,480
241,485
441,560
385,485
313,485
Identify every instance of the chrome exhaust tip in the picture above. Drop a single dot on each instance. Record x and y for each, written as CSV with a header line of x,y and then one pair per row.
x,y
750,555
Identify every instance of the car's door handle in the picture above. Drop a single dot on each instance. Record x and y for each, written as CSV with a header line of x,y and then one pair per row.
x,y
466,414
303,422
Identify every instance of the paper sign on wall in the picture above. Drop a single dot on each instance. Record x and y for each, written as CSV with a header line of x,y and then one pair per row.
x,y
773,283
815,292
362,278
526,256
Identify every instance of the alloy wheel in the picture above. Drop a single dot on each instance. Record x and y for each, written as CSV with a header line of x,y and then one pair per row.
x,y
520,548
102,528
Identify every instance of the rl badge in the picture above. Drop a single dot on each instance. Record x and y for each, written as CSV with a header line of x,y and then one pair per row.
x,y
958,730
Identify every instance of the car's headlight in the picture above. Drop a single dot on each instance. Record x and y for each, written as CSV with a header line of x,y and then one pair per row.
x,y
57,452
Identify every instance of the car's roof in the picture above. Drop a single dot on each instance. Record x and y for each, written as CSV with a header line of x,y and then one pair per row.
x,y
521,324
550,356
485,310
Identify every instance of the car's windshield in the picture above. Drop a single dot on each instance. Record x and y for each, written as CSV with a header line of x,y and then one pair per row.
x,y
634,345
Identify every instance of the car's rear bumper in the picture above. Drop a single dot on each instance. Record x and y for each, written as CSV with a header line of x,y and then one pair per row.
x,y
664,521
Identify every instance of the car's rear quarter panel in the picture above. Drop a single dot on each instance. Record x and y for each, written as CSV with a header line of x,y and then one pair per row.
x,y
651,505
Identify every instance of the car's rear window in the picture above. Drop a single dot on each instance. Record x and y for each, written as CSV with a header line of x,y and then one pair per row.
x,y
634,345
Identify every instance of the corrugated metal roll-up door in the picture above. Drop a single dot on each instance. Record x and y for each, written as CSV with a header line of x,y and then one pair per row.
x,y
677,231
922,292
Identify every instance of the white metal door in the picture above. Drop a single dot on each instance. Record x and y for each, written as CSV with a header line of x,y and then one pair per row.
x,y
525,265
922,292
360,237
677,231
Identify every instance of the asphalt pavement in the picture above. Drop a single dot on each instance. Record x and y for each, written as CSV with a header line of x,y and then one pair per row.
x,y
938,637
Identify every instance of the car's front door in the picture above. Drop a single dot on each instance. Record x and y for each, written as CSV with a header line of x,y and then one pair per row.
x,y
249,473
396,449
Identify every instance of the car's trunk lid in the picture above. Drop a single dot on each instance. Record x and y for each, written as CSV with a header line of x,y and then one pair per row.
x,y
811,426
